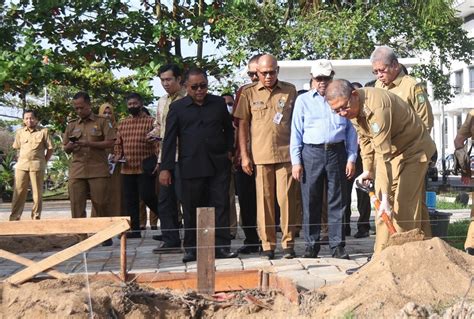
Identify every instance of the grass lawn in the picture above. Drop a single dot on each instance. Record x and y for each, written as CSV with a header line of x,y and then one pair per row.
x,y
448,205
457,232
57,194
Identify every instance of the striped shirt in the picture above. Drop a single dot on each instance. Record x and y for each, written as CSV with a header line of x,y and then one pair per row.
x,y
131,142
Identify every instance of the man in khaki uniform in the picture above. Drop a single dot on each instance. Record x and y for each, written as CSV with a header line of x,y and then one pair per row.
x,y
393,139
86,138
466,131
390,76
266,107
35,150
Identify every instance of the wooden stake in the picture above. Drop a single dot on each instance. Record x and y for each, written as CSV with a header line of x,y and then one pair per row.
x,y
206,250
123,256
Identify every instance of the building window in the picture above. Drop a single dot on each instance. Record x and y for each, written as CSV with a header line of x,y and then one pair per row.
x,y
471,79
458,82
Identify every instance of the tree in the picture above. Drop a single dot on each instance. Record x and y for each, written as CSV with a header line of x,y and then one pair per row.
x,y
347,30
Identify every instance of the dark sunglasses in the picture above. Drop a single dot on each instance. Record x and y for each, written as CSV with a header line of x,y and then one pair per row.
x,y
230,104
251,74
323,78
201,86
271,73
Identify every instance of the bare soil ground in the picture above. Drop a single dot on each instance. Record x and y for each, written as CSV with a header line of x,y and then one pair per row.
x,y
414,280
31,244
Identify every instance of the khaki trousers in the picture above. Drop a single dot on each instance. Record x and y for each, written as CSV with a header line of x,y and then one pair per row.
x,y
469,243
407,202
80,188
22,179
143,215
271,179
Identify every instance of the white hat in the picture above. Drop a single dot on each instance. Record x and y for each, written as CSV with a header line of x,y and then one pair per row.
x,y
321,68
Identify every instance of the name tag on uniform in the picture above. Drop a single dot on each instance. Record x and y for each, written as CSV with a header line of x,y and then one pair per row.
x,y
277,118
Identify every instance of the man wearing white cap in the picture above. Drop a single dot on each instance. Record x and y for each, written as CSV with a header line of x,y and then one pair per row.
x,y
323,149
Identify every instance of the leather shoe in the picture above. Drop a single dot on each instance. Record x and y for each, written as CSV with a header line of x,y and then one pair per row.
x,y
157,237
189,256
361,234
225,253
289,253
268,254
470,250
248,249
165,248
311,252
107,243
340,253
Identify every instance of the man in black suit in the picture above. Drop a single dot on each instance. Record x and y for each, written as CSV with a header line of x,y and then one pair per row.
x,y
202,127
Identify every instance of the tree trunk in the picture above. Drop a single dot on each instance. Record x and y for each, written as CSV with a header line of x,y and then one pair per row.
x,y
200,41
177,38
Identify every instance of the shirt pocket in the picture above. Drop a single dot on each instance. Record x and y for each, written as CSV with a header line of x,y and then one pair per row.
x,y
259,111
96,135
36,141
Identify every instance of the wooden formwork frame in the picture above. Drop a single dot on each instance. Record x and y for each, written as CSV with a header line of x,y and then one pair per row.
x,y
103,228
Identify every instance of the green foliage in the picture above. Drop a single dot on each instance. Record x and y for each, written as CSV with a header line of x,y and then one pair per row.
x,y
347,30
449,205
457,233
6,172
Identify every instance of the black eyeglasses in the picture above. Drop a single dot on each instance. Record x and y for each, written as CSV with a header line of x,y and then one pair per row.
x,y
230,104
268,73
323,78
343,108
251,74
201,86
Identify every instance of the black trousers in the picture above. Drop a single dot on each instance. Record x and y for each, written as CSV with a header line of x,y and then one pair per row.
x,y
168,207
212,191
136,186
245,189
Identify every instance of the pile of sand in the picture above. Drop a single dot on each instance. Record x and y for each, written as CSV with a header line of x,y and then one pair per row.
x,y
414,280
428,273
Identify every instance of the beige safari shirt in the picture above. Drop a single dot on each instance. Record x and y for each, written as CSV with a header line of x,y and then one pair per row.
x,y
388,128
467,128
32,145
161,114
414,94
269,114
89,162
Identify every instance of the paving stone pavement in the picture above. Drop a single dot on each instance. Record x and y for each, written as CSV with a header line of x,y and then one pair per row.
x,y
306,273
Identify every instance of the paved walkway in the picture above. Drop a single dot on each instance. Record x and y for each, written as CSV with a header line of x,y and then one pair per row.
x,y
306,273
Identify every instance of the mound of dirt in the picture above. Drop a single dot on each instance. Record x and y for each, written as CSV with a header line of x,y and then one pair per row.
x,y
428,273
72,298
414,280
31,244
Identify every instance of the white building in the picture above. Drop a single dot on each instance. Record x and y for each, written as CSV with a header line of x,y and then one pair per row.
x,y
462,77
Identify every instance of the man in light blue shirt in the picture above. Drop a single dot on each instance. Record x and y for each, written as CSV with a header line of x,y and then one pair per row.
x,y
323,149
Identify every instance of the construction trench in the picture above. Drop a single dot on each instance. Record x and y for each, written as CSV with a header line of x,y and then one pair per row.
x,y
419,279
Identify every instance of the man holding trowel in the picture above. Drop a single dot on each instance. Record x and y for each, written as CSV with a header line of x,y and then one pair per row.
x,y
393,139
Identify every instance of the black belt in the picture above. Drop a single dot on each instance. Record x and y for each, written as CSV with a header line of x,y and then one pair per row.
x,y
327,146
